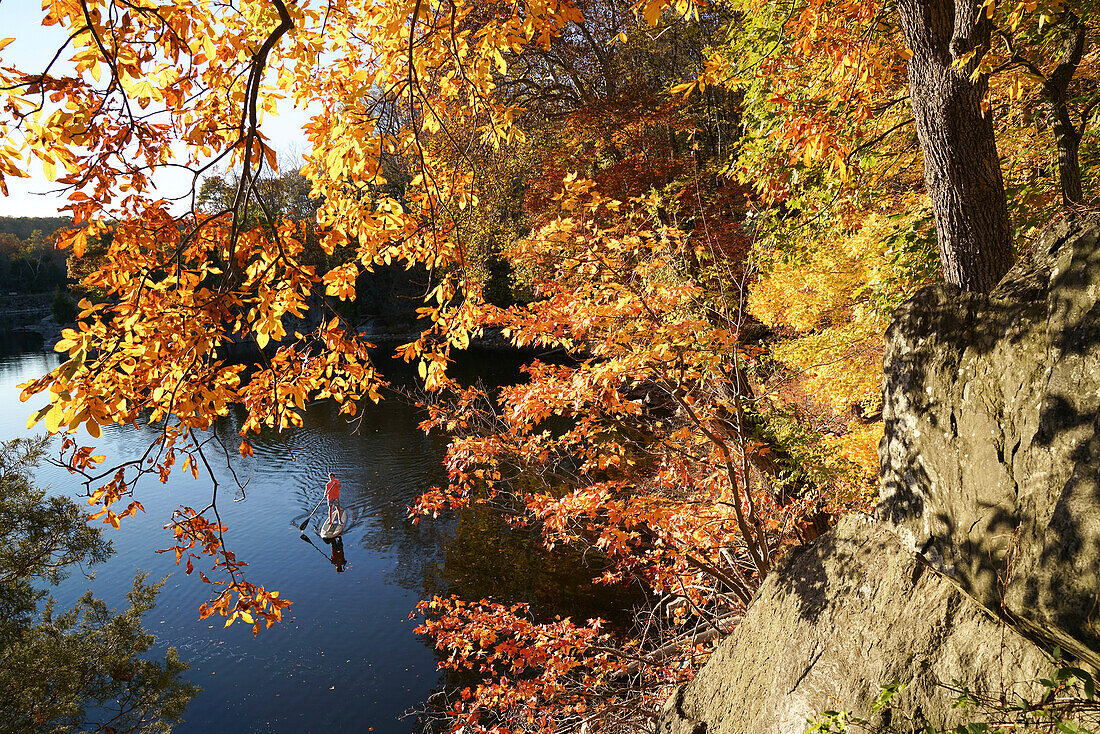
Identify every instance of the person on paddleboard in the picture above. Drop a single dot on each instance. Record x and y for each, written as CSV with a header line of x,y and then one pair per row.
x,y
332,494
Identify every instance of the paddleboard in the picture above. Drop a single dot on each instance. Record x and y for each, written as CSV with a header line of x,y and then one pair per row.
x,y
332,529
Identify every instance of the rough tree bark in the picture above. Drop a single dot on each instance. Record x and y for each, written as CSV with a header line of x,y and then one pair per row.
x,y
961,169
1056,91
1067,136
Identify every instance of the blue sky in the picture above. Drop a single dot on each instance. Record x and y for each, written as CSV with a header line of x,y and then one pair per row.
x,y
33,47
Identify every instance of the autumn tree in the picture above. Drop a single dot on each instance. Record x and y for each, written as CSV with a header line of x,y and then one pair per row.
x,y
641,217
955,46
1049,49
86,668
962,170
837,79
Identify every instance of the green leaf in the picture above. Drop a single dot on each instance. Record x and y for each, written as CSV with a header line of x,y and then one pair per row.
x,y
1086,680
886,696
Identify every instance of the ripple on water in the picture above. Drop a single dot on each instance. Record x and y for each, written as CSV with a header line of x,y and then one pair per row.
x,y
345,654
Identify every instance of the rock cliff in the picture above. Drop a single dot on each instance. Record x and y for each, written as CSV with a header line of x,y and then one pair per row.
x,y
836,622
992,452
985,550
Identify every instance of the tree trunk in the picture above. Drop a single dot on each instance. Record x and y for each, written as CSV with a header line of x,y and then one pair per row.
x,y
1069,161
961,169
1056,90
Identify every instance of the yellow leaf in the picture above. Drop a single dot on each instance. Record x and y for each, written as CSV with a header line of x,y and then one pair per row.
x,y
54,418
39,415
80,243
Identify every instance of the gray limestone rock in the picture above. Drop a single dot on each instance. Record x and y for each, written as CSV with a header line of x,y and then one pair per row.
x,y
989,511
991,454
836,622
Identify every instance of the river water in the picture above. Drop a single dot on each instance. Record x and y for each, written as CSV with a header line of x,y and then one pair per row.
x,y
345,656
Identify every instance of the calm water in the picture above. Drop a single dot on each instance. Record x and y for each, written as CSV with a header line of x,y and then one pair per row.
x,y
345,655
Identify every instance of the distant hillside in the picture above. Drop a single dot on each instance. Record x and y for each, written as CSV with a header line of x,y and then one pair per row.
x,y
22,227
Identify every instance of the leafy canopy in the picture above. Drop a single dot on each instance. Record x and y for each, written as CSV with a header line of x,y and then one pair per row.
x,y
650,227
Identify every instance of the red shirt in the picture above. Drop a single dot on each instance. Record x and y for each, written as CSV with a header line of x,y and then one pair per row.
x,y
333,489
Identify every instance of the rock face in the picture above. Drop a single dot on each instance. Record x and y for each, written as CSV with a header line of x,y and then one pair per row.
x,y
835,623
992,451
989,511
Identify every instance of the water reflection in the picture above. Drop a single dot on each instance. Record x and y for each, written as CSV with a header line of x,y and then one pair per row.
x,y
345,654
484,558
336,548
338,559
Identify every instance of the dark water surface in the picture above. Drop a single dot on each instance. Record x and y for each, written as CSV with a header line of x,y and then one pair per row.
x,y
345,656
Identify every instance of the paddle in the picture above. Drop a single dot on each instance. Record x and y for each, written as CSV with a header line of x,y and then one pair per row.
x,y
306,521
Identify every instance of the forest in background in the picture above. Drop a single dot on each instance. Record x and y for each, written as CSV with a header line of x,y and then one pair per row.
x,y
29,259
712,207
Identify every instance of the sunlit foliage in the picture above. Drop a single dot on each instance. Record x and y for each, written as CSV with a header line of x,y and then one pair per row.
x,y
709,210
